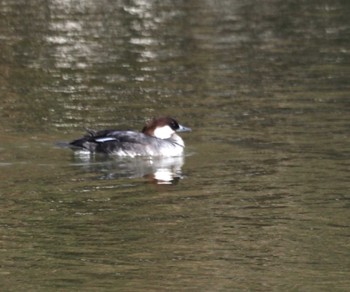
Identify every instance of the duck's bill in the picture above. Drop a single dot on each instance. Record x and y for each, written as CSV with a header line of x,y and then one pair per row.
x,y
183,129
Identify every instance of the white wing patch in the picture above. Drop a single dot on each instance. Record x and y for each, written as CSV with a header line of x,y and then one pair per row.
x,y
105,139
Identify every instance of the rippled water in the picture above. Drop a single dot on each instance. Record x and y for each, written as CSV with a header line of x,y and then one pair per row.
x,y
260,202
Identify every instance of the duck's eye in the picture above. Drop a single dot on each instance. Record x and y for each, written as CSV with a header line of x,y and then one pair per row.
x,y
174,125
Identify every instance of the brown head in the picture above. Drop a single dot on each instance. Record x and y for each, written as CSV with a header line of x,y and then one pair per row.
x,y
163,127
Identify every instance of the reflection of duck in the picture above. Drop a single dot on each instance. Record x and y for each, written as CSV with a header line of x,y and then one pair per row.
x,y
161,170
158,138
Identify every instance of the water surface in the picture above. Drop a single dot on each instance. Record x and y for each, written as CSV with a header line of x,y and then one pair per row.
x,y
260,201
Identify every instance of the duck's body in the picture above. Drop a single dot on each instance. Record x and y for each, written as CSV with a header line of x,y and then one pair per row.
x,y
158,138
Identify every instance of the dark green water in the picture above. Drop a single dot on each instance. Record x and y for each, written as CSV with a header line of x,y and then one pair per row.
x,y
260,202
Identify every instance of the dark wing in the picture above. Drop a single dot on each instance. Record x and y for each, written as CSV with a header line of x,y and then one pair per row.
x,y
108,141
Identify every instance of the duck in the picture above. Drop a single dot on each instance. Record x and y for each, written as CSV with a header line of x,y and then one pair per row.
x,y
158,138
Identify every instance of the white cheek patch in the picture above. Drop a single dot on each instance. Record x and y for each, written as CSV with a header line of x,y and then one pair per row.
x,y
164,132
105,139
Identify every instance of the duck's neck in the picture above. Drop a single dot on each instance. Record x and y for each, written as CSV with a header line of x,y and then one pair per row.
x,y
177,139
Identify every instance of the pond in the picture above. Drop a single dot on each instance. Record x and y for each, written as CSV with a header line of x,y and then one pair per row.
x,y
260,200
